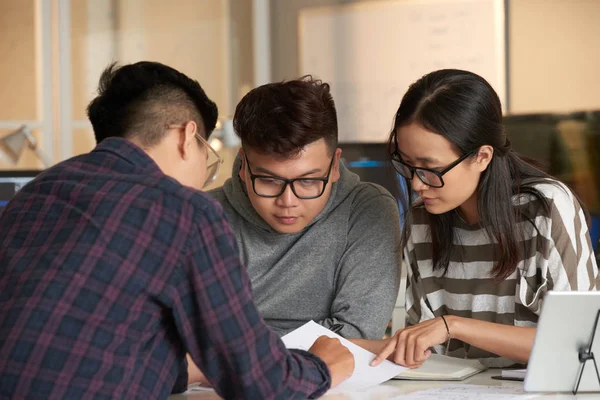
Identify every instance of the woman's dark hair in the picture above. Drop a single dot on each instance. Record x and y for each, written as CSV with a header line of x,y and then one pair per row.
x,y
281,118
465,109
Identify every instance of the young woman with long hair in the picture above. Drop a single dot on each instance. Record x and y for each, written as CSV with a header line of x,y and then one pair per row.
x,y
489,235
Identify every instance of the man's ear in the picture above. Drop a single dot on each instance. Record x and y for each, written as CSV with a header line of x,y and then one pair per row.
x,y
242,172
335,168
188,139
484,157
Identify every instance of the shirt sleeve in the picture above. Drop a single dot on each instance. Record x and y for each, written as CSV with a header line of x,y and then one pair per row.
x,y
222,329
368,274
566,261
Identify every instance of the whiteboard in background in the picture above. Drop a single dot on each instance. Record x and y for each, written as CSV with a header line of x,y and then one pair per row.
x,y
371,52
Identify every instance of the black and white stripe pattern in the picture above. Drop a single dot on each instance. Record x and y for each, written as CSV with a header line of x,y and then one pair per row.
x,y
556,256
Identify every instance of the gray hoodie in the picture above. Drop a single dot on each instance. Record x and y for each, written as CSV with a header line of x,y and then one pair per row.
x,y
343,268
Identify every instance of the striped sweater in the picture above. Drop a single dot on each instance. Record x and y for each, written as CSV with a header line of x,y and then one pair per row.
x,y
556,256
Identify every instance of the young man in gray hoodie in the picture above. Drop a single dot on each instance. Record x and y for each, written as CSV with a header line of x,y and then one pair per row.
x,y
318,243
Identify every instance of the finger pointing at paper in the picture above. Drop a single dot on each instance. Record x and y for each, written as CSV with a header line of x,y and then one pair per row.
x,y
411,346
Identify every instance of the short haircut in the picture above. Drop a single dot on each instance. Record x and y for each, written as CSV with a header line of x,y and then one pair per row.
x,y
140,100
281,118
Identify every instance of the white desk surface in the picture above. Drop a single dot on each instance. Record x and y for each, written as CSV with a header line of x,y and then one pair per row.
x,y
395,388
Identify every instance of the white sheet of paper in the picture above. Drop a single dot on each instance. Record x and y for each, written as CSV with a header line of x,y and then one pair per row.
x,y
469,392
364,375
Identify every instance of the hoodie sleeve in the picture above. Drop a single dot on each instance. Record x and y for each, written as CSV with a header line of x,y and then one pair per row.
x,y
368,274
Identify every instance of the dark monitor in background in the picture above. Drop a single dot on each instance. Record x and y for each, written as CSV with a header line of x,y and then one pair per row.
x,y
533,135
11,182
371,162
568,145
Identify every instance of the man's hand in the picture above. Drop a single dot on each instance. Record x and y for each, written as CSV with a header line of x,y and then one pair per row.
x,y
337,357
194,373
410,346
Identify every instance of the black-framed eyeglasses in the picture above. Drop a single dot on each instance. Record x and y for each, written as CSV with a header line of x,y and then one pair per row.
x,y
274,186
428,176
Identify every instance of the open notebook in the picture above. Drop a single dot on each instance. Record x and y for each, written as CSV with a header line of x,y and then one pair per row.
x,y
443,368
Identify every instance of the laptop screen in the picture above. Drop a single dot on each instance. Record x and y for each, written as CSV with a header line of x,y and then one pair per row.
x,y
11,182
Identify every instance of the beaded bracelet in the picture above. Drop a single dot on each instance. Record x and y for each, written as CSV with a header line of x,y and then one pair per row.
x,y
449,337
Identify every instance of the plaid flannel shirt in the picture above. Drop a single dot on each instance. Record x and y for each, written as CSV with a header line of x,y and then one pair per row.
x,y
110,272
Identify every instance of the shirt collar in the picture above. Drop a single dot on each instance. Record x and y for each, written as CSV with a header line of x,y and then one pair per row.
x,y
130,153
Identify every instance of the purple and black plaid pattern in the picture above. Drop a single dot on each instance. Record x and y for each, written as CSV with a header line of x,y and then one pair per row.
x,y
111,271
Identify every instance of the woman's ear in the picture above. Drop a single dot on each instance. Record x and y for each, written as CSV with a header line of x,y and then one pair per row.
x,y
484,157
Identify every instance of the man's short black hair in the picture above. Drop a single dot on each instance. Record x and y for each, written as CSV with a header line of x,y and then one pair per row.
x,y
281,118
142,99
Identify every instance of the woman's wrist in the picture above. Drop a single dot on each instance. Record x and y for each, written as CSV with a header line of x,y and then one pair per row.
x,y
456,326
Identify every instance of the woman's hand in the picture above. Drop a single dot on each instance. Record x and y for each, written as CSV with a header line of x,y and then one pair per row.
x,y
411,346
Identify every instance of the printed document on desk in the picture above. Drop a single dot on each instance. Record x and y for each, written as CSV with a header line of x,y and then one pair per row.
x,y
470,392
364,375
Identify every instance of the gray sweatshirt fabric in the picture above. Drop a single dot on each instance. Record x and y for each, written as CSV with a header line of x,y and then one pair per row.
x,y
343,268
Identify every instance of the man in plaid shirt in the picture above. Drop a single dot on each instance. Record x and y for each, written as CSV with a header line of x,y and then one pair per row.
x,y
113,266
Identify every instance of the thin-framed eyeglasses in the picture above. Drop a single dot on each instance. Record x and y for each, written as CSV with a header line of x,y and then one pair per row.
x,y
212,170
430,177
303,188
